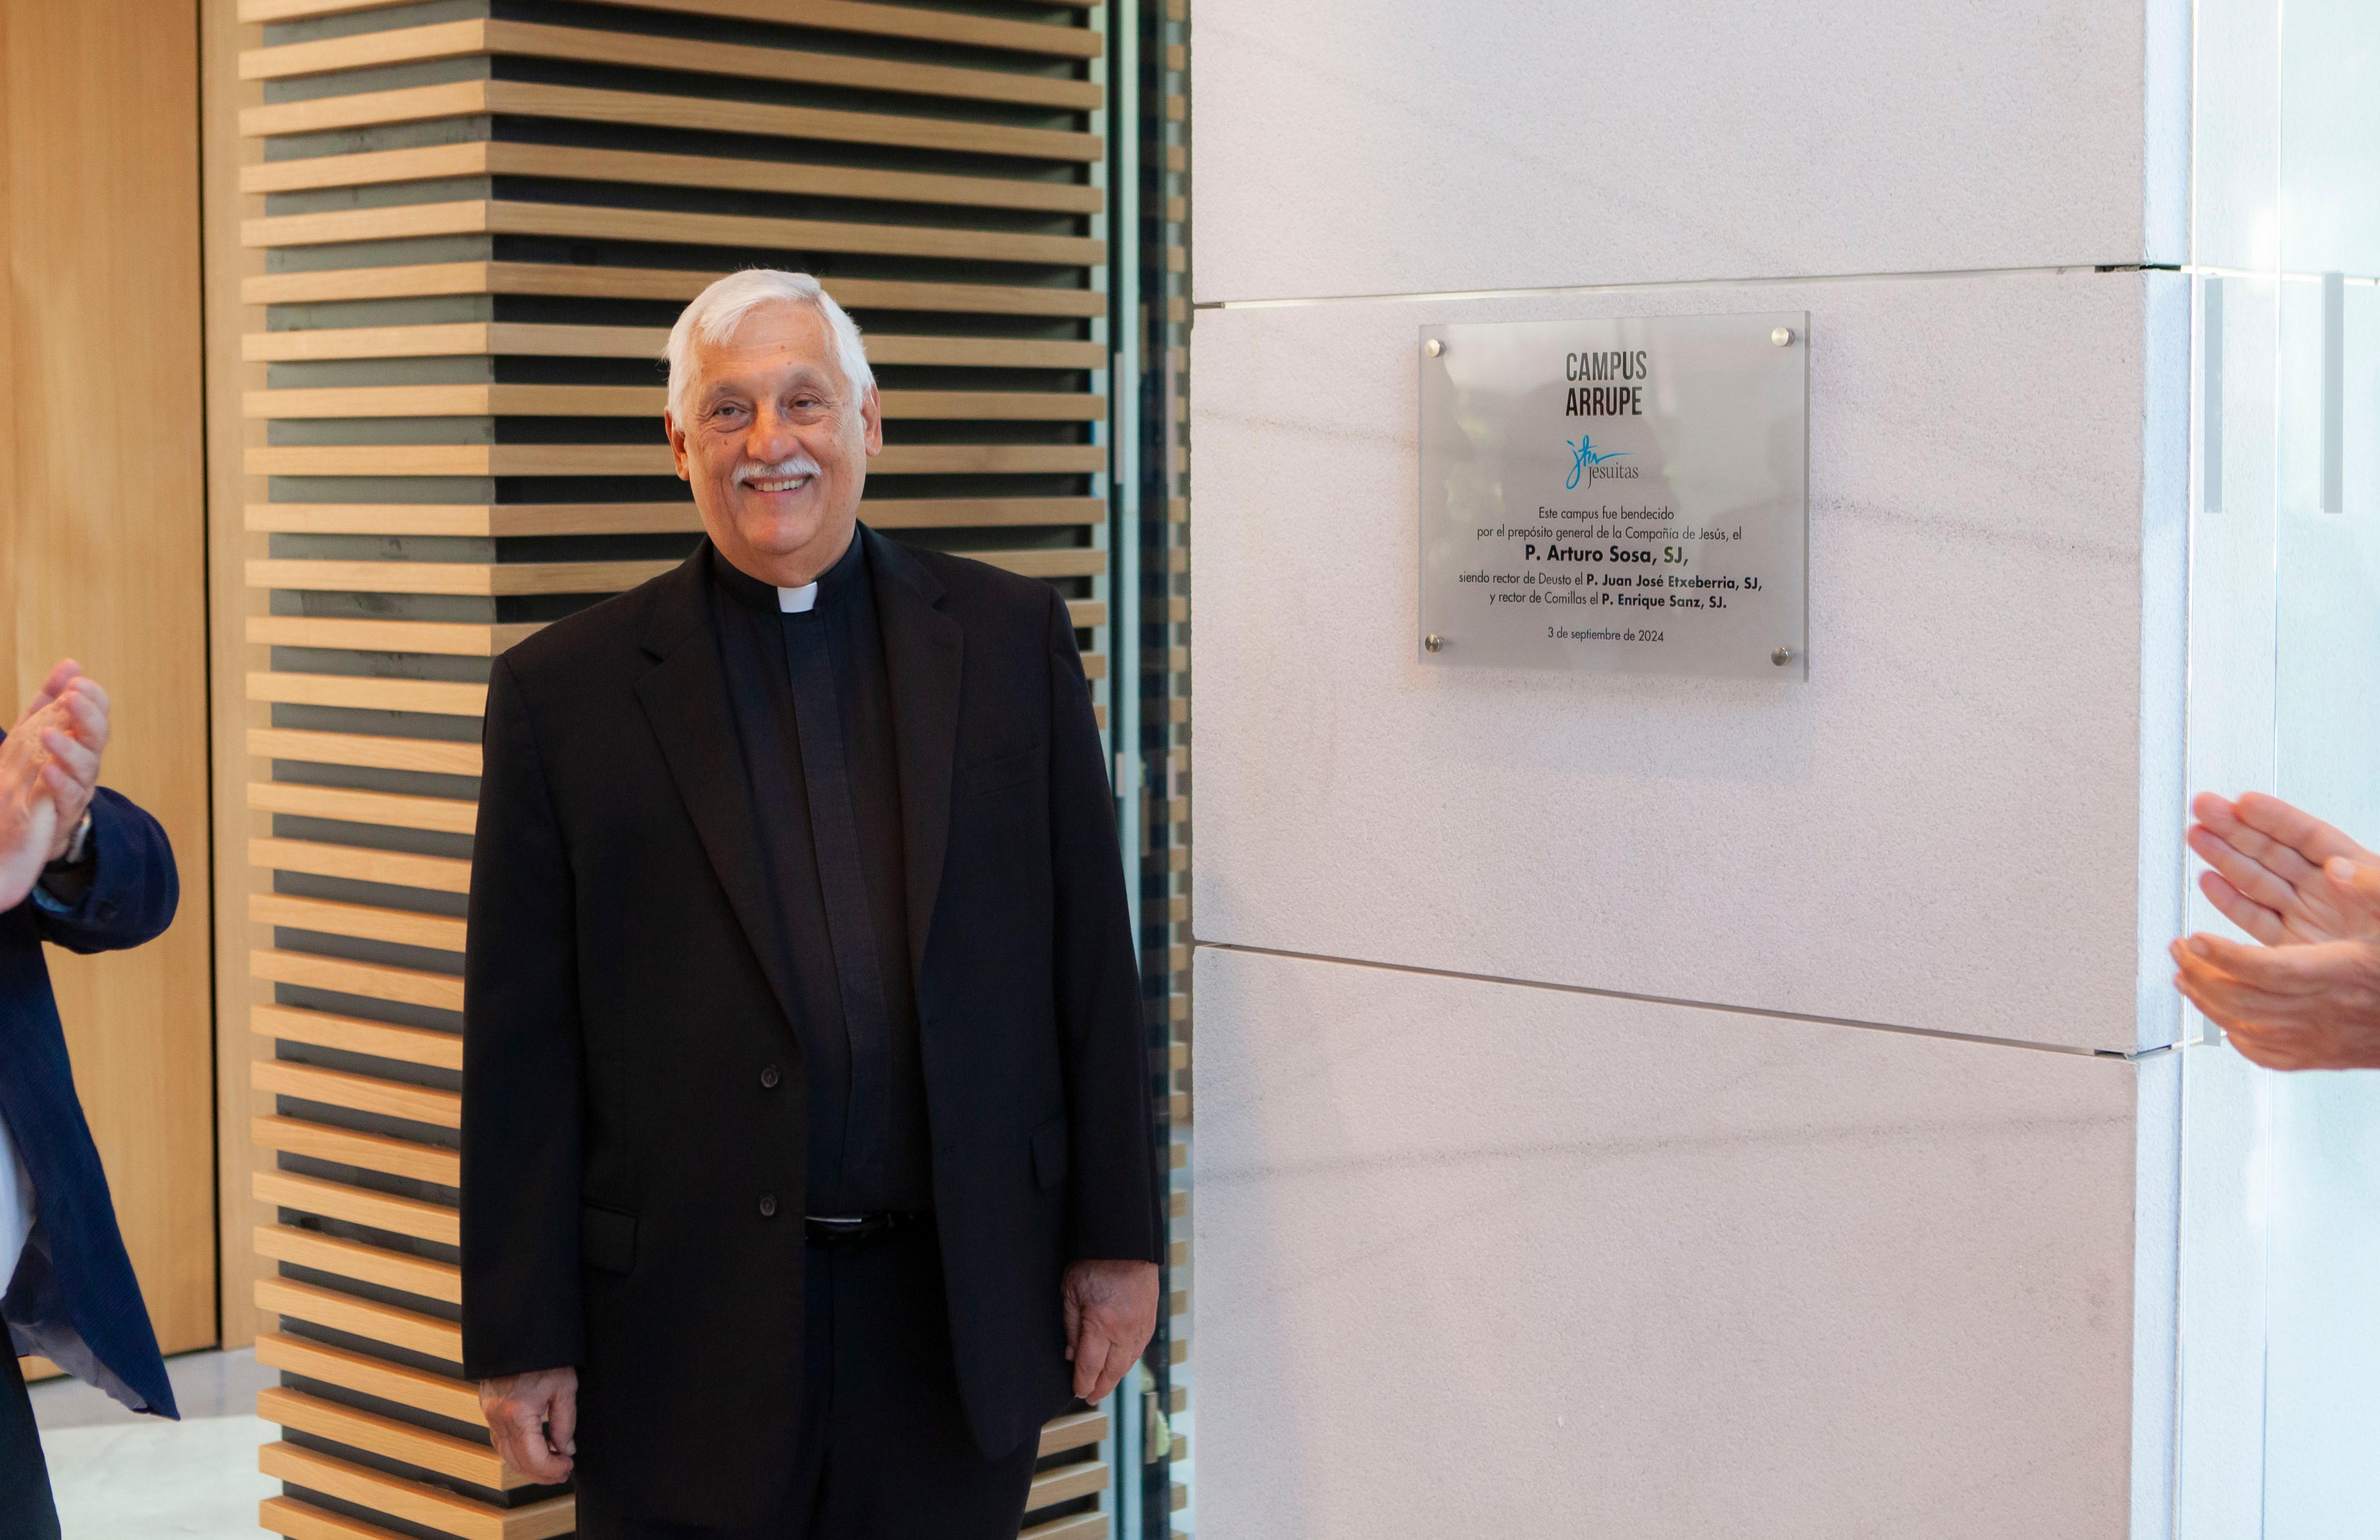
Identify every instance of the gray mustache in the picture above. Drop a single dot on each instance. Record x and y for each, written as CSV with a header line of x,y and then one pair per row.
x,y
800,464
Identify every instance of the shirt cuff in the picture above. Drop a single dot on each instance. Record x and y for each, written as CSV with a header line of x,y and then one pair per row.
x,y
66,883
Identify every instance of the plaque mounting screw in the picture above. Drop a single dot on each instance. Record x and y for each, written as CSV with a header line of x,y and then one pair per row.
x,y
1434,642
1781,657
1782,336
1434,347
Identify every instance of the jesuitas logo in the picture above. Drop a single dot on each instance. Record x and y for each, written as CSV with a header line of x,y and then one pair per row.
x,y
1586,461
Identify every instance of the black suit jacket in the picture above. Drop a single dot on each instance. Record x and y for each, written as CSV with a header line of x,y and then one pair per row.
x,y
632,1170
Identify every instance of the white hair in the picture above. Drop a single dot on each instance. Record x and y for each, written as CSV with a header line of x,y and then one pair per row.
x,y
719,309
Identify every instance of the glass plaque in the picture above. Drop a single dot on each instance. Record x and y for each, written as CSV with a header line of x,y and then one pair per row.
x,y
1626,495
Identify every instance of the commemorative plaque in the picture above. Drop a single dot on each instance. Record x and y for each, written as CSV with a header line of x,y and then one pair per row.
x,y
1623,496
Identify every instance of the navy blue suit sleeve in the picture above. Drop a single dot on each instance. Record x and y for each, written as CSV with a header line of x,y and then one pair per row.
x,y
523,1053
134,888
1112,1210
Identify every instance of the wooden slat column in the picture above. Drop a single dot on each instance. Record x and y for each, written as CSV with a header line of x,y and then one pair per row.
x,y
474,231
1164,686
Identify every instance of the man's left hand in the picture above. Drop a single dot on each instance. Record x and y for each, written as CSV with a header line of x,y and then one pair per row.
x,y
1111,1315
2309,1006
75,730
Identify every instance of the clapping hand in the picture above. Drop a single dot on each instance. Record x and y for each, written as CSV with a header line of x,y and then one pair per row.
x,y
2310,997
49,772
2267,878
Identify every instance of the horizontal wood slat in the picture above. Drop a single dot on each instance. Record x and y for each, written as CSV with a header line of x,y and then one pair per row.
x,y
302,1521
363,751
479,520
409,1329
444,815
638,109
841,15
600,221
440,1395
901,21
1078,1526
409,1045
422,1447
340,284
387,635
416,1501
1078,561
436,697
365,980
646,51
361,1092
438,873
484,578
1063,1483
1075,1430
456,339
576,163
498,339
390,1269
363,1206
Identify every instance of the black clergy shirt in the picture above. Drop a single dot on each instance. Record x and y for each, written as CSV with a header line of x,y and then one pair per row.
x,y
814,715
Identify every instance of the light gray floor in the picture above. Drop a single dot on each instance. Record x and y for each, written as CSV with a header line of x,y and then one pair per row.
x,y
119,1476
205,1384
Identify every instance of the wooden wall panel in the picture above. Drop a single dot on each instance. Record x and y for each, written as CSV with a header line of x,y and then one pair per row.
x,y
461,237
101,555
232,603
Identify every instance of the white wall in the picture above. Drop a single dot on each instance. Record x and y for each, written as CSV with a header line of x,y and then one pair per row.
x,y
1503,1252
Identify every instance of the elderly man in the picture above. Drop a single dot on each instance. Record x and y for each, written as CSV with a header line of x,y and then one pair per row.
x,y
805,1124
83,868
2309,998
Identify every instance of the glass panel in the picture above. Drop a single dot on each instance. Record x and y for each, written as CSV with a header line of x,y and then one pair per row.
x,y
2322,1335
2281,1173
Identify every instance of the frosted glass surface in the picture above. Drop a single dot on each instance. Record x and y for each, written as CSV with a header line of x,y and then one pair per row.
x,y
2279,1235
2330,121
1623,495
2321,1333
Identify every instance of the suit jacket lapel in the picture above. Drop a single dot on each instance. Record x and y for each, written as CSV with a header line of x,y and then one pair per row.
x,y
685,698
923,649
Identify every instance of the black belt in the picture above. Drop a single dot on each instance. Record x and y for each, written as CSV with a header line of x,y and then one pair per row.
x,y
843,1230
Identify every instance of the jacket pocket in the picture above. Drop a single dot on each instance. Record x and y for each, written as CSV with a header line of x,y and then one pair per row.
x,y
1049,1152
607,1239
1008,769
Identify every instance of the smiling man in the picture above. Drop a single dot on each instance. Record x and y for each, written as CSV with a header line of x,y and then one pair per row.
x,y
806,1136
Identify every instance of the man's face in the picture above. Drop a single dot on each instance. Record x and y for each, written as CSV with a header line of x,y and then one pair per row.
x,y
775,443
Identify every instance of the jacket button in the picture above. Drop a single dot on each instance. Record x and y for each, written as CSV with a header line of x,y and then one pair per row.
x,y
769,1078
768,1206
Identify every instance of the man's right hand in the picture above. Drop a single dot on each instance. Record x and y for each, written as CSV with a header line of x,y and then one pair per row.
x,y
2268,860
534,1418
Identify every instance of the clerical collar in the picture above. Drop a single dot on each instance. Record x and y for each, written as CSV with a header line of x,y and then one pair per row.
x,y
831,585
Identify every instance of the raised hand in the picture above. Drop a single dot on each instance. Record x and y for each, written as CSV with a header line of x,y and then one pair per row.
x,y
2267,879
74,730
28,814
2299,1005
